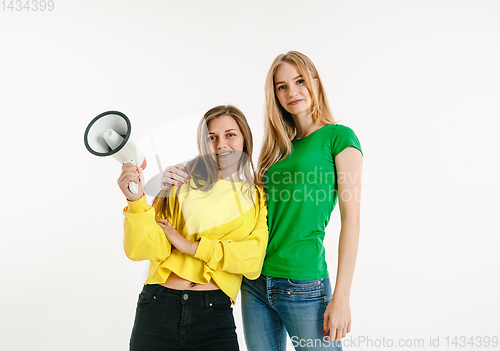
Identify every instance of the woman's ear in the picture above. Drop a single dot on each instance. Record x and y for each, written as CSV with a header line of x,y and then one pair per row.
x,y
316,82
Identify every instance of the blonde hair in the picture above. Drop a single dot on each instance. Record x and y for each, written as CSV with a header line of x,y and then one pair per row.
x,y
203,169
279,127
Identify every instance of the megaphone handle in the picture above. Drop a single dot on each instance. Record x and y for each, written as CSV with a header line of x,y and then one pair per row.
x,y
134,188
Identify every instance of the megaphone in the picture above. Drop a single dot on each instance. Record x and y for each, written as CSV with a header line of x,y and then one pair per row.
x,y
108,134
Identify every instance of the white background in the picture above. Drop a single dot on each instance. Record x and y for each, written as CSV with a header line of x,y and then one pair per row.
x,y
418,81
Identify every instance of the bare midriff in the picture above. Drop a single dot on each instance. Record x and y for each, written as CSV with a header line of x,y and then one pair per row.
x,y
178,283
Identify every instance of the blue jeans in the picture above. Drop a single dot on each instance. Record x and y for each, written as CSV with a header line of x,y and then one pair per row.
x,y
183,320
273,306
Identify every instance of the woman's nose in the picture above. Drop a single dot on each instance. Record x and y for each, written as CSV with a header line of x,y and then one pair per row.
x,y
222,144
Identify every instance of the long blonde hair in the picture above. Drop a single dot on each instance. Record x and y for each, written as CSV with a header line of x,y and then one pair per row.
x,y
203,169
279,127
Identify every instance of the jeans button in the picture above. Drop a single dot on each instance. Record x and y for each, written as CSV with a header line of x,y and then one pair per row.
x,y
185,296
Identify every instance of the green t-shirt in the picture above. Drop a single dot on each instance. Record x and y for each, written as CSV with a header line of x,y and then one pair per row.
x,y
301,194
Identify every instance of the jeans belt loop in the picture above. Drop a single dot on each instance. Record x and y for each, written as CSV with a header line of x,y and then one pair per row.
x,y
207,300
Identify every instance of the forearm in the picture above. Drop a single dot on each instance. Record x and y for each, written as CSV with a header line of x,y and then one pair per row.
x,y
348,250
189,247
239,257
243,256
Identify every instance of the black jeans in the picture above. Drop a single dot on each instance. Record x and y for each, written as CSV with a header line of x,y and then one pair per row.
x,y
168,319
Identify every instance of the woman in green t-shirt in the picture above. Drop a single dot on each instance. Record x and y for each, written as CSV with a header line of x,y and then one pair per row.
x,y
306,164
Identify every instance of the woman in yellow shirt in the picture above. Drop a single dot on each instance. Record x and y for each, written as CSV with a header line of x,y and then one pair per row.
x,y
200,238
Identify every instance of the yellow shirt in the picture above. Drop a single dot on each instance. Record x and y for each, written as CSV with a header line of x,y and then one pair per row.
x,y
230,227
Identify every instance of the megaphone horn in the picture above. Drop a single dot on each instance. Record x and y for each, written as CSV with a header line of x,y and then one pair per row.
x,y
108,134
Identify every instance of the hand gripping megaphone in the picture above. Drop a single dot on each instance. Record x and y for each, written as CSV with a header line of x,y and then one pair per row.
x,y
109,135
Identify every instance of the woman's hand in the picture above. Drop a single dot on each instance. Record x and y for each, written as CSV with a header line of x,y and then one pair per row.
x,y
173,175
181,243
131,173
337,318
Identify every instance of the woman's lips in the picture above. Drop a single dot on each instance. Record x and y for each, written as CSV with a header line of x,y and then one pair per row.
x,y
224,154
294,102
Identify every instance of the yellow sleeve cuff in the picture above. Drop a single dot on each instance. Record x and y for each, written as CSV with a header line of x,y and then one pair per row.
x,y
204,248
137,206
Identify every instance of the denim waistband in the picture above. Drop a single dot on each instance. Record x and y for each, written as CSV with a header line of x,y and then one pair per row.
x,y
193,297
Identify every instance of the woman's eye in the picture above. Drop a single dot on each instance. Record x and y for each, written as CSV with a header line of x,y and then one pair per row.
x,y
300,81
230,135
211,138
281,87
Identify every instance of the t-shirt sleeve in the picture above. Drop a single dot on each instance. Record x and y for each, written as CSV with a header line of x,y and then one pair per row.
x,y
344,137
